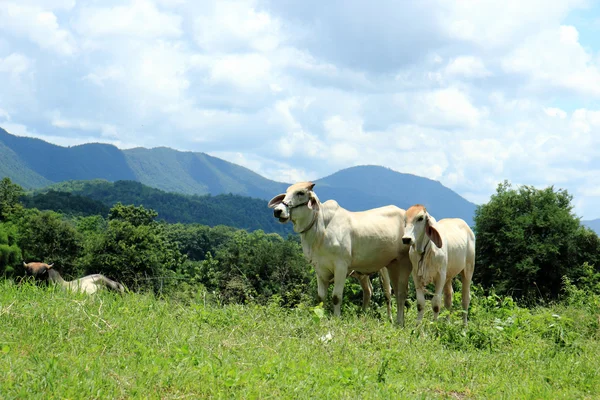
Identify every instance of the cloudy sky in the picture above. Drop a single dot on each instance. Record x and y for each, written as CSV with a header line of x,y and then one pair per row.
x,y
465,92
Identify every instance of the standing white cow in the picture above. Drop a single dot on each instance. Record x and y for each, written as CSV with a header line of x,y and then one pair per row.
x,y
452,253
337,241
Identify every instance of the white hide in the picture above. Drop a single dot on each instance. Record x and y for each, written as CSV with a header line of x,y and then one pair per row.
x,y
89,284
337,241
439,265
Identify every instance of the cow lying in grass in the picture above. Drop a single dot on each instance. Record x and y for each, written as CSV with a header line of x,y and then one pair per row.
x,y
88,284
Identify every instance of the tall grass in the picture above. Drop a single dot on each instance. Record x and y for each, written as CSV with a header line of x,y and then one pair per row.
x,y
59,345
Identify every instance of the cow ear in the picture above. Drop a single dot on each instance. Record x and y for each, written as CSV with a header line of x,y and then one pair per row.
x,y
276,200
313,202
432,233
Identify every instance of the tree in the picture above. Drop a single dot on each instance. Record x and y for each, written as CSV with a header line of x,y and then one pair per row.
x,y
46,236
134,249
528,239
137,216
10,253
9,198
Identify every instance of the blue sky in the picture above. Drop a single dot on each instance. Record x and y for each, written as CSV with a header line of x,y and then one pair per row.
x,y
469,93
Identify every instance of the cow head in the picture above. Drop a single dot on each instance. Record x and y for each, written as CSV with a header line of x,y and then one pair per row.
x,y
37,269
418,227
299,204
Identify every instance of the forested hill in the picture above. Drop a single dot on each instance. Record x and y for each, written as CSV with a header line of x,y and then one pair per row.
x,y
95,197
34,163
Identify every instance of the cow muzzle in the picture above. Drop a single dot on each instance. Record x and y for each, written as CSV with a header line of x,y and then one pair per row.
x,y
280,212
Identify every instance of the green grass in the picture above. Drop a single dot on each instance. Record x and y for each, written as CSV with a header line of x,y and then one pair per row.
x,y
59,345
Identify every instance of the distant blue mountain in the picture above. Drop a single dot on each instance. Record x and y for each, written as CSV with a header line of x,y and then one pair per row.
x,y
34,163
593,225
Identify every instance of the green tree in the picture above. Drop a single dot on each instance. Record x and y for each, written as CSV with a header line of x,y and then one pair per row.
x,y
134,249
10,253
9,198
136,216
256,266
46,236
528,239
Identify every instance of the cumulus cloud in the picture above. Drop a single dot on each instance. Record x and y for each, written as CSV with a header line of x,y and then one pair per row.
x,y
39,24
468,93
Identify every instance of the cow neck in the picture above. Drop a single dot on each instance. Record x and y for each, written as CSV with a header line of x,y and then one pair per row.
x,y
423,257
56,278
312,223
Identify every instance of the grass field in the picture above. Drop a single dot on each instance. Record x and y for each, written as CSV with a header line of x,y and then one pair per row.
x,y
59,345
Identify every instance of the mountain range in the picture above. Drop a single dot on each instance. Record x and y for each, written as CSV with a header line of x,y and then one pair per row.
x,y
34,164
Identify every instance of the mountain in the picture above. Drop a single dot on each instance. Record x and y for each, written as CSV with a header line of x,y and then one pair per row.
x,y
363,187
593,225
97,196
33,163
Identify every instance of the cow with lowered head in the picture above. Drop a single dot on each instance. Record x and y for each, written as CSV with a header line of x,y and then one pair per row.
x,y
337,241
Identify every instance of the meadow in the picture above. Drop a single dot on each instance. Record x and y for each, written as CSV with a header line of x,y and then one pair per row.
x,y
55,344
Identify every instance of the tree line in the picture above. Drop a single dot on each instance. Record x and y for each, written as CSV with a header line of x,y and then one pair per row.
x,y
528,242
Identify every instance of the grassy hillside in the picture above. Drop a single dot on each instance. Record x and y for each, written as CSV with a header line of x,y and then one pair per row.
x,y
59,345
231,210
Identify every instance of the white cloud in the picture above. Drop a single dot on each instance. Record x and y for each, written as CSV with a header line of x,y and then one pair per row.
x,y
139,19
555,112
555,57
38,25
497,24
245,71
468,67
449,107
106,130
15,65
237,26
468,93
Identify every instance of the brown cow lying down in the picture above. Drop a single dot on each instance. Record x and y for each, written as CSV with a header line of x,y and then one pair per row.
x,y
88,284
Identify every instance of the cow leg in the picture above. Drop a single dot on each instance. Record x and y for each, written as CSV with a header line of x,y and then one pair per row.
x,y
384,277
448,293
399,272
322,286
466,293
420,289
436,301
367,288
339,279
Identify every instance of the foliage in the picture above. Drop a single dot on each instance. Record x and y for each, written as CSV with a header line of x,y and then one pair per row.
x,y
66,203
133,250
62,345
46,237
528,239
226,209
10,253
9,198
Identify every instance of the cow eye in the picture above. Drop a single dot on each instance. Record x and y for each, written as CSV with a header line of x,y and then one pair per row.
x,y
420,218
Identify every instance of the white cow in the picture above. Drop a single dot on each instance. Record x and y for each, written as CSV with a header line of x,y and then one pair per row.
x,y
337,241
451,253
88,284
